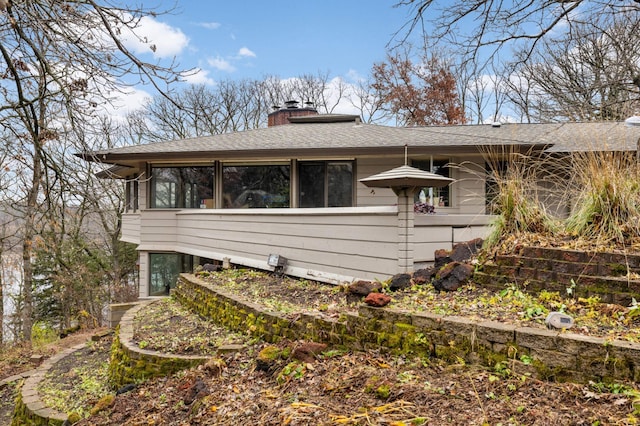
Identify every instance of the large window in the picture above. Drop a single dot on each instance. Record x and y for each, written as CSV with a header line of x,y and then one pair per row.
x,y
255,186
182,187
165,268
164,271
437,197
325,184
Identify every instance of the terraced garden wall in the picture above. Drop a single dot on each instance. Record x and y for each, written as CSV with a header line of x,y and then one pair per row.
x,y
611,276
131,364
544,353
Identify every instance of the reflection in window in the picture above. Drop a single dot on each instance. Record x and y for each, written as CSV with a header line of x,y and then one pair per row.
x,y
437,197
163,272
131,194
325,184
255,186
182,187
166,267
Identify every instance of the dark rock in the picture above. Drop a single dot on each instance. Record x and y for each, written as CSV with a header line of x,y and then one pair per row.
x,y
460,252
377,299
424,276
399,282
363,288
196,391
125,389
463,252
307,351
441,258
452,276
210,267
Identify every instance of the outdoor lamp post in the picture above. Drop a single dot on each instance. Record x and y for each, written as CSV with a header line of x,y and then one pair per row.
x,y
405,181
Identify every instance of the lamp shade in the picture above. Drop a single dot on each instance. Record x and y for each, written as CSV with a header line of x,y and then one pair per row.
x,y
405,177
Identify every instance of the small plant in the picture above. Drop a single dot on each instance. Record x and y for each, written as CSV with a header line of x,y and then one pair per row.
x,y
633,312
42,334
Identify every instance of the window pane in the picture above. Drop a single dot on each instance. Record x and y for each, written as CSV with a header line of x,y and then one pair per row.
x,y
340,178
311,177
441,195
255,186
438,197
182,187
163,272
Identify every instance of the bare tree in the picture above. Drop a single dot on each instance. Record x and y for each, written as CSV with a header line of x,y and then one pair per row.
x,y
481,28
368,102
62,62
592,74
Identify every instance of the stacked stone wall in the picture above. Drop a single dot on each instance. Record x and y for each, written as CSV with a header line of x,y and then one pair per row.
x,y
547,354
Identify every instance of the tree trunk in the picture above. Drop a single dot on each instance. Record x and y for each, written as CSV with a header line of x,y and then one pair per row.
x,y
27,245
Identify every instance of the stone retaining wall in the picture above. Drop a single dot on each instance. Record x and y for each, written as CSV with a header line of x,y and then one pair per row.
x,y
606,275
544,353
29,410
130,364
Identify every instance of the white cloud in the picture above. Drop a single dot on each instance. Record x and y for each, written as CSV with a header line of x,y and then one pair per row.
x,y
126,102
221,64
355,76
157,37
245,52
209,25
199,76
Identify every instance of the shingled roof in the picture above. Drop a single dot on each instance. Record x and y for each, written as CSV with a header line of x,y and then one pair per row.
x,y
319,135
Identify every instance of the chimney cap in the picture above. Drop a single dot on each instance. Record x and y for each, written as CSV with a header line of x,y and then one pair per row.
x,y
291,104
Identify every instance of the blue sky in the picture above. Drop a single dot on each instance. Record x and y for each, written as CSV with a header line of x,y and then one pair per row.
x,y
252,39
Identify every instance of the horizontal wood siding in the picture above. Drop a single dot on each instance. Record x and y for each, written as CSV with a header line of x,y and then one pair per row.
x,y
159,229
131,228
358,245
375,196
434,232
469,188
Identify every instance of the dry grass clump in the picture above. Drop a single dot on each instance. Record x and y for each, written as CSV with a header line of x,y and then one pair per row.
x,y
515,200
597,191
607,197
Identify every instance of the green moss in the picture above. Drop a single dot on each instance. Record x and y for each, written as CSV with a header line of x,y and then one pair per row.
x,y
270,353
383,391
74,417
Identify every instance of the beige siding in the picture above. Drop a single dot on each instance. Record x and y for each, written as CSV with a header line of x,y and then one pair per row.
x,y
434,232
331,245
131,228
469,189
375,196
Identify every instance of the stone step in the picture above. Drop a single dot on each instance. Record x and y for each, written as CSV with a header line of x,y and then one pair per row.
x,y
567,267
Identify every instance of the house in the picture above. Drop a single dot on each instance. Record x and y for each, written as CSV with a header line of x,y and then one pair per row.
x,y
292,192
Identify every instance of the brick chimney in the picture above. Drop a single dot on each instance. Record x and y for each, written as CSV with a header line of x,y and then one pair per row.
x,y
281,115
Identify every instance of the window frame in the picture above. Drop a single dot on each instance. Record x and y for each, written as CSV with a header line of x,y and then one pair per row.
x,y
188,187
430,193
325,164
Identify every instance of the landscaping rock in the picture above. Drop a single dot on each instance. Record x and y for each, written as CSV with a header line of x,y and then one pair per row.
x,y
452,276
307,351
210,267
377,300
461,252
399,282
363,288
441,258
424,276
